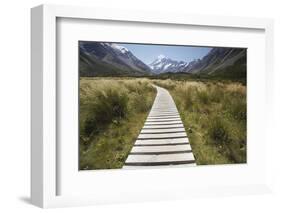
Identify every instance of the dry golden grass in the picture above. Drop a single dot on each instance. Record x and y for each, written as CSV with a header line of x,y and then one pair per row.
x,y
112,113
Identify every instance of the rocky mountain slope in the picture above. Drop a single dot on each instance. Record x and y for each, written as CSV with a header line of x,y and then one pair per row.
x,y
106,59
219,60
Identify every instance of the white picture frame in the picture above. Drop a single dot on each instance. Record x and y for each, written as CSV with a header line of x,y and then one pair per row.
x,y
44,155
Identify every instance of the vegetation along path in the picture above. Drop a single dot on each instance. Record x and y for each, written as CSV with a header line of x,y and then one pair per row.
x,y
163,140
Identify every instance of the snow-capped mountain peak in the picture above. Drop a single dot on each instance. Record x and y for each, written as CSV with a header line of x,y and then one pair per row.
x,y
161,56
164,64
159,59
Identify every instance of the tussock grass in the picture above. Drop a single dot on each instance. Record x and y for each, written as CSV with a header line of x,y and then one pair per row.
x,y
214,115
112,112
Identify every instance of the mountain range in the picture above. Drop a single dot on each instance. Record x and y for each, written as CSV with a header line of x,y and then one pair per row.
x,y
110,59
107,59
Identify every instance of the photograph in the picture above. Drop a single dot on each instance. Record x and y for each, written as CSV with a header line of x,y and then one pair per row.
x,y
161,105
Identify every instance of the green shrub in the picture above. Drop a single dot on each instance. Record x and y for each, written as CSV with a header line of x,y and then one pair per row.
x,y
112,104
107,106
188,97
203,96
238,109
218,131
216,93
140,103
235,104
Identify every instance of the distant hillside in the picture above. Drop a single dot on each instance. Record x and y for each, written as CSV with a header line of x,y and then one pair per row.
x,y
108,59
228,62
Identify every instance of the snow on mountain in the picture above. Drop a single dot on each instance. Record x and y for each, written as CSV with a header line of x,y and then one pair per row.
x,y
216,60
160,57
123,50
164,64
114,55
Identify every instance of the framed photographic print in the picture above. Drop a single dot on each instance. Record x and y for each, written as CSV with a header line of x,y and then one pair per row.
x,y
137,105
149,106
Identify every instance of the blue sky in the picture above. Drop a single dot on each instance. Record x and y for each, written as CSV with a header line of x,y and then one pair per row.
x,y
148,53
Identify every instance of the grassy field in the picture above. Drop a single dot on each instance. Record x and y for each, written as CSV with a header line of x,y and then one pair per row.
x,y
112,112
214,115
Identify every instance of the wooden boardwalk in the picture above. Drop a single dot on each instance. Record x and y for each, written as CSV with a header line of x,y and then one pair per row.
x,y
162,141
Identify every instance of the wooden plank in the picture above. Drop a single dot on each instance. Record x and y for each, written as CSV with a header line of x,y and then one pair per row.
x,y
162,135
162,130
163,116
183,147
163,126
162,141
160,158
162,123
157,113
163,111
162,119
160,167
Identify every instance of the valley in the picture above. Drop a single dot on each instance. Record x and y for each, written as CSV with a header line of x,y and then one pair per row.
x,y
161,111
107,59
113,112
